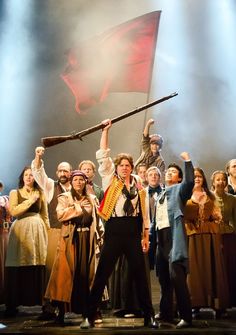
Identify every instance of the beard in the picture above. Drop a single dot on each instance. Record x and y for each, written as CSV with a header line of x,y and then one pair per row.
x,y
63,180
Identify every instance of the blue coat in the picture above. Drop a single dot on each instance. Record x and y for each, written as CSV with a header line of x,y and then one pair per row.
x,y
177,196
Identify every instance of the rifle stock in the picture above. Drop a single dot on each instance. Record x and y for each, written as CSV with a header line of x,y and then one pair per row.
x,y
53,140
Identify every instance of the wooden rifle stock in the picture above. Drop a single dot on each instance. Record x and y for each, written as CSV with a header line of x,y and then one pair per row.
x,y
53,140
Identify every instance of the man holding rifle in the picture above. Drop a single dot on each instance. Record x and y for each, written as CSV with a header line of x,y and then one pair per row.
x,y
125,211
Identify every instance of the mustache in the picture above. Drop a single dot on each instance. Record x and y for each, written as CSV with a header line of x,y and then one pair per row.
x,y
64,180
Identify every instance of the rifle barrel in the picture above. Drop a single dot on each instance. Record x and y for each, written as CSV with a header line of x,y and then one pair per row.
x,y
53,140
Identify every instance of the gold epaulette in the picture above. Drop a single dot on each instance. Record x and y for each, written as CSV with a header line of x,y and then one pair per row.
x,y
142,197
110,198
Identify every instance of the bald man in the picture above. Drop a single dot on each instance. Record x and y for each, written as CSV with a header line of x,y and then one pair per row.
x,y
52,188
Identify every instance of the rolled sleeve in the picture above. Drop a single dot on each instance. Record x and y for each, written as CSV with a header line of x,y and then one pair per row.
x,y
106,167
46,183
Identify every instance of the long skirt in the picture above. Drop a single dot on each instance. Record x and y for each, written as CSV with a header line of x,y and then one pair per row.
x,y
25,285
229,243
80,290
72,272
25,262
27,242
3,249
207,279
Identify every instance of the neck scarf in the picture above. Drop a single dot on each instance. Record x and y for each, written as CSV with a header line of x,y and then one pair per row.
x,y
128,206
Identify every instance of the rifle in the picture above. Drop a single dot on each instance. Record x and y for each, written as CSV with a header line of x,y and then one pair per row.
x,y
53,140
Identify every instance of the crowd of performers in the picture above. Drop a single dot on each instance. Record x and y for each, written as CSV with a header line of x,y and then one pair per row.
x,y
70,245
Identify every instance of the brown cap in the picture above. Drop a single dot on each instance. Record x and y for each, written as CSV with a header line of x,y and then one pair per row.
x,y
157,139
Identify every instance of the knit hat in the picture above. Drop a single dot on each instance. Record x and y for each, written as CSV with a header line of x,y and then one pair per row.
x,y
78,173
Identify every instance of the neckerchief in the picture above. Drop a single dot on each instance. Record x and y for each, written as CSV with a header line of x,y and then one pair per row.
x,y
128,206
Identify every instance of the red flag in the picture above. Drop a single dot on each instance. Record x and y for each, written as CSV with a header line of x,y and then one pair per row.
x,y
119,60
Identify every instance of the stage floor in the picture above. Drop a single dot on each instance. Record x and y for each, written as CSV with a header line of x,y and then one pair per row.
x,y
26,322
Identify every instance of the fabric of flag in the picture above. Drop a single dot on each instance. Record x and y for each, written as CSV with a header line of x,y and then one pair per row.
x,y
118,60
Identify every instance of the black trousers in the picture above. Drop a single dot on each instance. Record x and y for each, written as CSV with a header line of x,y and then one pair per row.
x,y
122,236
172,279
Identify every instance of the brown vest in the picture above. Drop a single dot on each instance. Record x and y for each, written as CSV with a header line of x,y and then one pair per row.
x,y
52,213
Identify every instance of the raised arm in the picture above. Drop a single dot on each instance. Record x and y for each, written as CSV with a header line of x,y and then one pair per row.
x,y
39,152
38,171
104,136
106,167
188,181
185,156
147,127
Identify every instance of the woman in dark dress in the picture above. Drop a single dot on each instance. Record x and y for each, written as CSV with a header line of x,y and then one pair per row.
x,y
227,204
207,278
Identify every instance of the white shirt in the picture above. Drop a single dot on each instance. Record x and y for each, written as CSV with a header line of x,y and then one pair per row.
x,y
46,183
162,219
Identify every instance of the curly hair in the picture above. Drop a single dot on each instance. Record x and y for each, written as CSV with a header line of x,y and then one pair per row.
x,y
117,160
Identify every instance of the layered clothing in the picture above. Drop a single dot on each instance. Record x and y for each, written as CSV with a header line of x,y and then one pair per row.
x,y
52,189
227,205
77,252
172,250
126,215
149,159
27,249
207,279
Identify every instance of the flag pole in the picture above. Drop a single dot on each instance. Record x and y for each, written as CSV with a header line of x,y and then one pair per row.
x,y
151,68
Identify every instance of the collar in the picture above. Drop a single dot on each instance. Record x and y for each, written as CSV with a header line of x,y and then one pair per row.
x,y
152,190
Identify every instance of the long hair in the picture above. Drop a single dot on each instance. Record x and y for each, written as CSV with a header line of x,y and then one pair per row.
x,y
204,184
77,195
21,179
